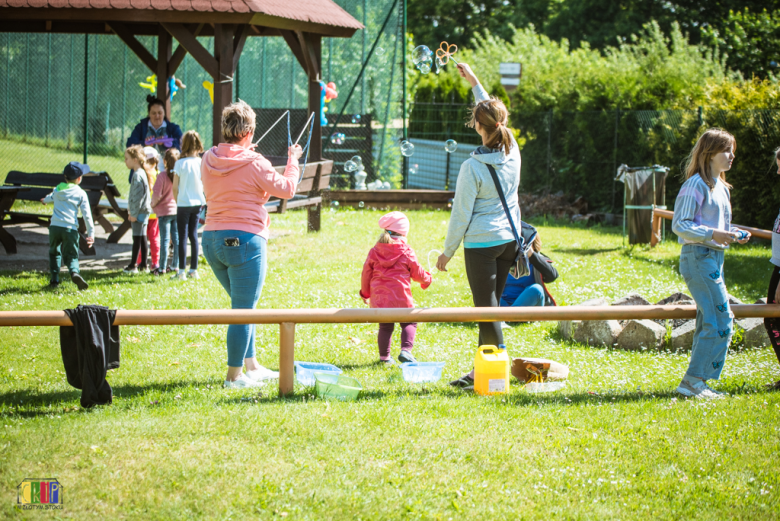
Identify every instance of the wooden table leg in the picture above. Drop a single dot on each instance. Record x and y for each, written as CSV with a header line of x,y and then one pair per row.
x,y
119,232
314,217
286,358
8,241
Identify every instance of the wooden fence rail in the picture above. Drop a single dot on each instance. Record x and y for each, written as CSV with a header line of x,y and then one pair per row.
x,y
659,214
287,318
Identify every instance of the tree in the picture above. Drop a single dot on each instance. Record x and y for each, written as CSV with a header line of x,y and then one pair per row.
x,y
750,40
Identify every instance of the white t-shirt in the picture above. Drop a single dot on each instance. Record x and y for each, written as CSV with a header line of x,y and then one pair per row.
x,y
190,184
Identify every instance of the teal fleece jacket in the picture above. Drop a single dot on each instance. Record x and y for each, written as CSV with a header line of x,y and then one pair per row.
x,y
68,198
478,217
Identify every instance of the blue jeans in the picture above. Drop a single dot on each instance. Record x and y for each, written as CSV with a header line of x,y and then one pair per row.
x,y
531,296
702,269
241,271
168,231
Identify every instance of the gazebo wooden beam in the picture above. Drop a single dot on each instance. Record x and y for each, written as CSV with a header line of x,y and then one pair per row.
x,y
137,47
188,41
180,53
164,52
239,40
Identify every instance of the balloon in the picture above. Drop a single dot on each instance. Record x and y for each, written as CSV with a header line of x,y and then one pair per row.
x,y
209,87
327,93
151,83
407,148
450,146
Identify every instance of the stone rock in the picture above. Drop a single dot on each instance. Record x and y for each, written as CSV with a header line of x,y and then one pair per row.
x,y
682,337
760,301
677,322
638,334
754,334
632,299
734,300
674,298
567,328
597,332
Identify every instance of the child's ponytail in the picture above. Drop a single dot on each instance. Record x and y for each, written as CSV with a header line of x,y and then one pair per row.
x,y
385,238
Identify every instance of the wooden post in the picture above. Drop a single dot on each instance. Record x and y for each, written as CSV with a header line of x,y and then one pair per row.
x,y
314,214
286,357
655,236
164,51
223,82
314,42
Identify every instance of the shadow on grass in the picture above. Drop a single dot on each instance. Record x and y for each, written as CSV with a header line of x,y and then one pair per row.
x,y
585,251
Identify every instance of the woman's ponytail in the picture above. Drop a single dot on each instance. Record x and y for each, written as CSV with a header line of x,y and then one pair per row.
x,y
492,116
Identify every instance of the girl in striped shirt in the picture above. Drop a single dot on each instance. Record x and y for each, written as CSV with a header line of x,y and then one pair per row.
x,y
702,222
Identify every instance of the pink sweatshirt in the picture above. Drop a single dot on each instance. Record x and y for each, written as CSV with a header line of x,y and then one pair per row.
x,y
388,273
237,183
163,203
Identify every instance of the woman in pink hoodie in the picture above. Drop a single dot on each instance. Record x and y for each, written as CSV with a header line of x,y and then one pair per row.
x,y
237,182
387,282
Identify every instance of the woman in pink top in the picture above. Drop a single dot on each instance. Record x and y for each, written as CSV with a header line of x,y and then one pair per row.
x,y
164,205
387,282
237,182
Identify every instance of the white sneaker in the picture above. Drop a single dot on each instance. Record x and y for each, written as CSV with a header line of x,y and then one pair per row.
x,y
504,325
193,274
130,271
262,374
181,275
697,389
719,393
242,382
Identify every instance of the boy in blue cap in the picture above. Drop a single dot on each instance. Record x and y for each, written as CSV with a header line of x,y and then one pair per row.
x,y
68,198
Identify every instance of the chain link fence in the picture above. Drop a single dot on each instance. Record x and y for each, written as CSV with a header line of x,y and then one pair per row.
x,y
78,97
578,153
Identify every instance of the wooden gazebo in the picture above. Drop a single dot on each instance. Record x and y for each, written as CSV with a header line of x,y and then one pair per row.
x,y
302,23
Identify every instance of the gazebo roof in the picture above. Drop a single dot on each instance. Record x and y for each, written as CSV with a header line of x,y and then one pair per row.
x,y
323,17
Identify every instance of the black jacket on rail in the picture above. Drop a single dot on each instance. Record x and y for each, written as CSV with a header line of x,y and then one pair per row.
x,y
89,349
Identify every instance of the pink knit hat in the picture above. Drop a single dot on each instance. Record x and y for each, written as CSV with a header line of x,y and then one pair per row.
x,y
395,222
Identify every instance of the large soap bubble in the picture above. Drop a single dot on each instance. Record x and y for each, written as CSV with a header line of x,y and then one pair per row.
x,y
338,138
350,166
422,57
439,65
450,146
358,162
379,51
407,148
425,68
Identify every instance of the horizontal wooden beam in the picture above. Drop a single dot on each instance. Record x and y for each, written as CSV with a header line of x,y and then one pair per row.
x,y
756,232
164,317
57,27
187,40
122,15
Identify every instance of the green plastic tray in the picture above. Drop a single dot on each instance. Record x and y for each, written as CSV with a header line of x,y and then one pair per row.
x,y
336,387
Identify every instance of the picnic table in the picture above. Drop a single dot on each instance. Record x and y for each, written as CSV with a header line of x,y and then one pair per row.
x,y
8,195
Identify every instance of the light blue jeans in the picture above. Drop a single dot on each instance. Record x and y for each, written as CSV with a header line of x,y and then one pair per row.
x,y
168,231
241,271
531,296
702,269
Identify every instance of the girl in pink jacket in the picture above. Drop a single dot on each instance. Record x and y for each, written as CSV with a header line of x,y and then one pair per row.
x,y
387,282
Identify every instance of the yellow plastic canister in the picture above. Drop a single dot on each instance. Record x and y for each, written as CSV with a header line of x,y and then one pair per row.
x,y
491,370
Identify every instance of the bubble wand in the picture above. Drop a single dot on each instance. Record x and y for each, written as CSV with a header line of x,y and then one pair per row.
x,y
432,266
444,54
286,112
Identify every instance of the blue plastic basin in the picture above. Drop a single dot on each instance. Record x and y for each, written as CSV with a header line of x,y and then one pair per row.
x,y
304,371
420,372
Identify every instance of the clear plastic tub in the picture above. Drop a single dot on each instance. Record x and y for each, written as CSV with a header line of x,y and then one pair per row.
x,y
336,387
304,371
544,387
421,372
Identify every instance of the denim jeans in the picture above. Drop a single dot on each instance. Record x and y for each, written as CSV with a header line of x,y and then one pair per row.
x,y
168,231
531,296
702,269
241,271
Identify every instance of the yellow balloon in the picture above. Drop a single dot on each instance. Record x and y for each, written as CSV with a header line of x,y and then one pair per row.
x,y
151,83
209,87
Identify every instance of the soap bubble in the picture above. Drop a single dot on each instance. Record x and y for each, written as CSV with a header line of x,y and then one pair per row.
x,y
413,169
439,65
450,145
386,185
407,149
334,205
356,118
358,162
425,68
361,204
449,203
379,51
350,166
338,138
421,54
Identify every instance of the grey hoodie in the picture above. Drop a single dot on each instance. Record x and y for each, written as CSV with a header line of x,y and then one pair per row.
x,y
139,200
478,218
68,198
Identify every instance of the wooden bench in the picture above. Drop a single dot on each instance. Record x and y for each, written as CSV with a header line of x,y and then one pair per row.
x,y
38,186
316,178
113,204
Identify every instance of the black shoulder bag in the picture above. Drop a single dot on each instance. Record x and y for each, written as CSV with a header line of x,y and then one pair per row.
x,y
521,266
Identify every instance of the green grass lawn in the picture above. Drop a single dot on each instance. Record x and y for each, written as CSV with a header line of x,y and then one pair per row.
x,y
615,444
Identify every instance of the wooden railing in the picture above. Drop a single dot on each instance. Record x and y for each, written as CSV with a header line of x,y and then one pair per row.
x,y
287,318
659,214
